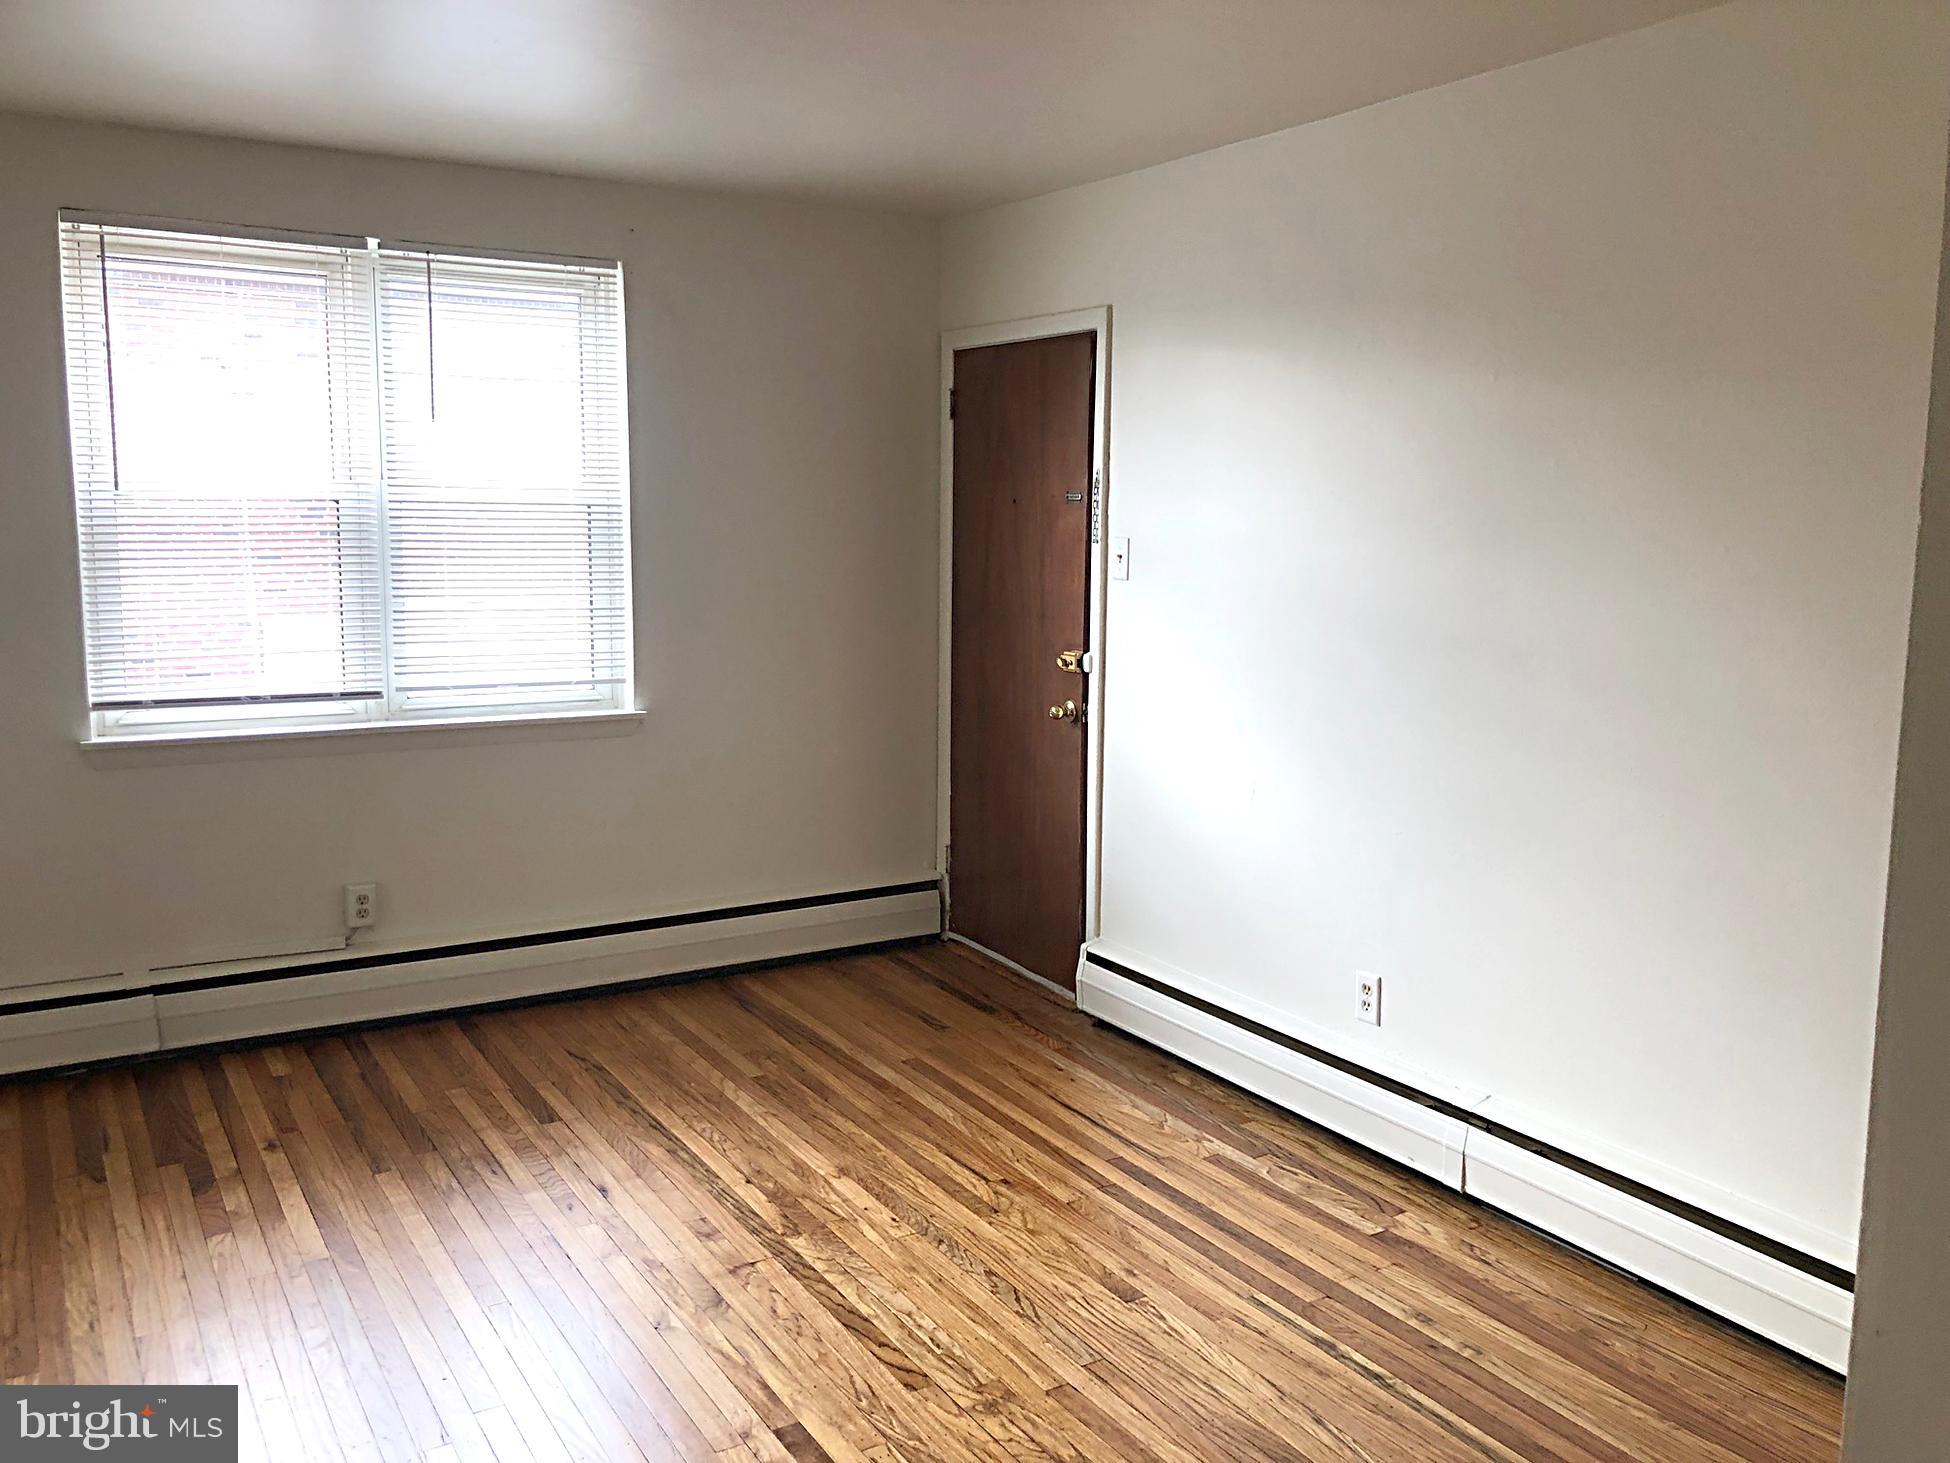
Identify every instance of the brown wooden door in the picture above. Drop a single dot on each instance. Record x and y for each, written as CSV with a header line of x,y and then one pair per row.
x,y
1022,453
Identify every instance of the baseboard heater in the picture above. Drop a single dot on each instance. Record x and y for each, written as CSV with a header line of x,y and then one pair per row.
x,y
1797,1300
190,1008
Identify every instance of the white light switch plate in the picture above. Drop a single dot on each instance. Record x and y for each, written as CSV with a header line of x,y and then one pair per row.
x,y
1120,558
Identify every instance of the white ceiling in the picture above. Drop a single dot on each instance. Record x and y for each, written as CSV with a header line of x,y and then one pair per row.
x,y
932,105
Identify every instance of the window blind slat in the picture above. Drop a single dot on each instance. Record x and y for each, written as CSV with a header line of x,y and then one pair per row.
x,y
306,471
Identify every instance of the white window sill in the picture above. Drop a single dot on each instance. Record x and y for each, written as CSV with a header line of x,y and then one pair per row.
x,y
305,741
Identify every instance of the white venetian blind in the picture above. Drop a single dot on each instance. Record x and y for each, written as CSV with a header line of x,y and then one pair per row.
x,y
506,481
345,471
226,473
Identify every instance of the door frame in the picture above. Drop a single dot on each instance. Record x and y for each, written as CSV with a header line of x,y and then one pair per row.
x,y
1035,327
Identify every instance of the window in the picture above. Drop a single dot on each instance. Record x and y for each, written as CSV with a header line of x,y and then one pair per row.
x,y
324,481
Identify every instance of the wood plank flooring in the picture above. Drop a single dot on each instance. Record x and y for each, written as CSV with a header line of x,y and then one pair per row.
x,y
891,1206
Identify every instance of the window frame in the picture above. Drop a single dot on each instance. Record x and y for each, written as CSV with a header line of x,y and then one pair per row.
x,y
396,708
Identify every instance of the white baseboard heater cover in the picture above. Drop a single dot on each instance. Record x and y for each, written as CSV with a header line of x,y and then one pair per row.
x,y
1796,1306
67,1036
292,998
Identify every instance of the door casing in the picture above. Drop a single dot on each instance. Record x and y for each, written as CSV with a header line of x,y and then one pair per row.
x,y
1070,322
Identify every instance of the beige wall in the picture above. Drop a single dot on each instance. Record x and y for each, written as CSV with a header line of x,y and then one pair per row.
x,y
1522,479
781,409
1899,1373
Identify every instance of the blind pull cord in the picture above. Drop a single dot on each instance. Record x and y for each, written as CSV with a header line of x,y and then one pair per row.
x,y
108,365
433,410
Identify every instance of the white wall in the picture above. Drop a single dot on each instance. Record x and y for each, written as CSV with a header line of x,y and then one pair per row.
x,y
782,419
1522,481
1898,1405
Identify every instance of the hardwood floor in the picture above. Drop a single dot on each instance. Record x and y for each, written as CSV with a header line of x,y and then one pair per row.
x,y
891,1206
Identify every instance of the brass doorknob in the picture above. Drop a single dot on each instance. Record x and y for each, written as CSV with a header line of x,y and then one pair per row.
x,y
1067,711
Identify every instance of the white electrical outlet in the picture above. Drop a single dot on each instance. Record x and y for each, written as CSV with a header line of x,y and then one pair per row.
x,y
1367,997
361,905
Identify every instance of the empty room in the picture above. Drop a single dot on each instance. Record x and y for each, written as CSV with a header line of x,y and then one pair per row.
x,y
974,729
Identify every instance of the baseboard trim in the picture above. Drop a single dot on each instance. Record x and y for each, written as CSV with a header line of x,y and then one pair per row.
x,y
287,999
1799,1301
1069,996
